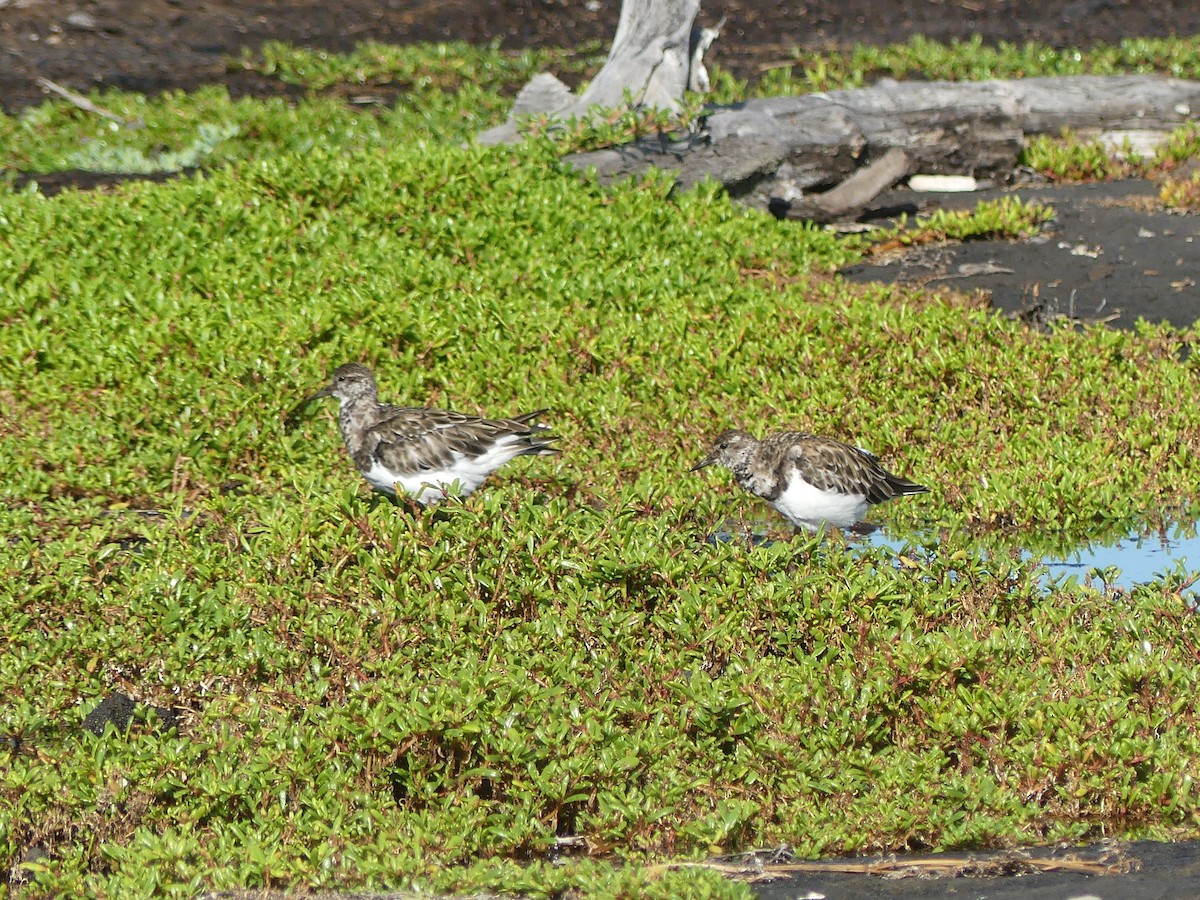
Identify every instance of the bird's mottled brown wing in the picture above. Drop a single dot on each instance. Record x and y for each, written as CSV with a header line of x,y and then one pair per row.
x,y
416,440
833,466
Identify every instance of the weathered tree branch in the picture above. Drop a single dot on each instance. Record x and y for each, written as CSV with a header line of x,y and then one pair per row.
x,y
650,56
655,57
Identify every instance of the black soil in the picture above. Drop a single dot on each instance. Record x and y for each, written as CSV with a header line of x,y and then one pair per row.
x,y
152,45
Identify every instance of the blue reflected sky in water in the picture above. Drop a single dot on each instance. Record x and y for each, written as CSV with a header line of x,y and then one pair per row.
x,y
1132,559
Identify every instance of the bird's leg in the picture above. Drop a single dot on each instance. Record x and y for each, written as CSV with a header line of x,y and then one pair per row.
x,y
408,503
862,529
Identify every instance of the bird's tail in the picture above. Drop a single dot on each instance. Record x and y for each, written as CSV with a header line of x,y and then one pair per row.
x,y
538,439
904,488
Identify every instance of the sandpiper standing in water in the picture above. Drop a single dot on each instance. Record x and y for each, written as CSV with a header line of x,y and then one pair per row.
x,y
813,481
425,453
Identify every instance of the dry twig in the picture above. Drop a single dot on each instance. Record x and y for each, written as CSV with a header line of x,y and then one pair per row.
x,y
87,105
1109,862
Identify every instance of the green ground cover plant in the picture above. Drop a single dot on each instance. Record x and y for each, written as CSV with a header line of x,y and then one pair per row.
x,y
376,698
1073,158
970,60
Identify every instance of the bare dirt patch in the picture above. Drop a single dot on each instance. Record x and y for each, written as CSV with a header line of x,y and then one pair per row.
x,y
153,45
1112,254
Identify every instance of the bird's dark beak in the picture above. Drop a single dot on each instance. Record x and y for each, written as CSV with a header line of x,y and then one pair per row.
x,y
323,392
707,461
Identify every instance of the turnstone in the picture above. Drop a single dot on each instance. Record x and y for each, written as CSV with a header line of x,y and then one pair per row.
x,y
813,481
425,451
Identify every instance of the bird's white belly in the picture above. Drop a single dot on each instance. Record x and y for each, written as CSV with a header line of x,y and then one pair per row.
x,y
809,507
433,485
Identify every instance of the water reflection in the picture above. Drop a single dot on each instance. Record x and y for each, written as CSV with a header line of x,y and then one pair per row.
x,y
1123,560
1120,560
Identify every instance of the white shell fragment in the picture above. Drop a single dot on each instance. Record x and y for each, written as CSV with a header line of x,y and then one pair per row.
x,y
946,184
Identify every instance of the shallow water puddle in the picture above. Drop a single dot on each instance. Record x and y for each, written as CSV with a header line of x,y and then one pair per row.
x,y
1134,558
1120,562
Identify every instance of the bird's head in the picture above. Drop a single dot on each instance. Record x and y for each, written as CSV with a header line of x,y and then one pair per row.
x,y
731,449
353,381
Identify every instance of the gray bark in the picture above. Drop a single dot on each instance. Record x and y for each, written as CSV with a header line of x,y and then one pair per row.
x,y
655,57
650,56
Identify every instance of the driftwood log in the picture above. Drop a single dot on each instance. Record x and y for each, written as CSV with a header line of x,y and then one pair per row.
x,y
825,156
784,154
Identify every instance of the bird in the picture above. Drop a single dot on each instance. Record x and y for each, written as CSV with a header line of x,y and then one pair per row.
x,y
425,453
813,481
